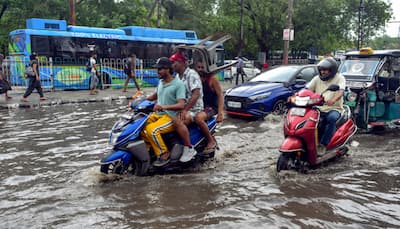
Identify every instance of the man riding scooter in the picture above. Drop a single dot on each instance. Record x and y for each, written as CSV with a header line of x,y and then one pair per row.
x,y
170,98
333,107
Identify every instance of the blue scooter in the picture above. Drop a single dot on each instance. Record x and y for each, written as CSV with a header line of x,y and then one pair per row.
x,y
130,155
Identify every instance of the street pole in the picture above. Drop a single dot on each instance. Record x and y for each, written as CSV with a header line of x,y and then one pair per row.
x,y
360,25
241,30
159,14
287,39
72,17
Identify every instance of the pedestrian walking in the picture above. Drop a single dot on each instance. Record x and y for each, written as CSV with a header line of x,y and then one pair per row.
x,y
240,70
94,80
130,71
33,80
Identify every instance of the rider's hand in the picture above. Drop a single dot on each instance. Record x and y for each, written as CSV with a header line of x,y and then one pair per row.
x,y
158,108
220,117
330,102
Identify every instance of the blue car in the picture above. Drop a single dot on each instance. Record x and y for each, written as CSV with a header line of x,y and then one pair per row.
x,y
268,92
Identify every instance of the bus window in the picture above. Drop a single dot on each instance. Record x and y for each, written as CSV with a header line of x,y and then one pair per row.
x,y
41,45
113,50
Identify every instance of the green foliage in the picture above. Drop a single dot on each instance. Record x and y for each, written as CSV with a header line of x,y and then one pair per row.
x,y
323,24
385,42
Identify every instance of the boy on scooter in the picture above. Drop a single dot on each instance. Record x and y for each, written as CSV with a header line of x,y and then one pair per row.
x,y
194,104
333,107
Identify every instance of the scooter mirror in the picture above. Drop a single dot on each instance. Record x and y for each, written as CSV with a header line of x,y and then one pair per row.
x,y
333,87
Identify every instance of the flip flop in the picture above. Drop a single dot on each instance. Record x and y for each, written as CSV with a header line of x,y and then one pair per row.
x,y
137,94
210,149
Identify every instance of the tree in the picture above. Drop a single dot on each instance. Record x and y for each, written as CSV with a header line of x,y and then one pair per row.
x,y
385,42
325,25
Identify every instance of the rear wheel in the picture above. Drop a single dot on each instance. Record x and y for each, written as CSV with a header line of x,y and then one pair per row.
x,y
279,108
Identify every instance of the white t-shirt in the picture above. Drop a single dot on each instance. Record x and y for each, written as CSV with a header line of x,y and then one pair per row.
x,y
318,86
191,80
92,64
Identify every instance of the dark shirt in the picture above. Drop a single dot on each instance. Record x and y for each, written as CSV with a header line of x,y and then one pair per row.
x,y
37,66
210,98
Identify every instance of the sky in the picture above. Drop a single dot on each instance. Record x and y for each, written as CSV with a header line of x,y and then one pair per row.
x,y
392,29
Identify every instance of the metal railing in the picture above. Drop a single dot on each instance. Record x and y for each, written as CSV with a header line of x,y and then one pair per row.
x,y
69,73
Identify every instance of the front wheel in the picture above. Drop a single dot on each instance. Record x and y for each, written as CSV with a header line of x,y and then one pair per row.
x,y
284,162
279,108
134,167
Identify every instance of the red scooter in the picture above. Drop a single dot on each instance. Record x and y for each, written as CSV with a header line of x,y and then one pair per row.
x,y
299,149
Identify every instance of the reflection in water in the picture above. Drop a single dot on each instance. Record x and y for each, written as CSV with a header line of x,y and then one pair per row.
x,y
50,178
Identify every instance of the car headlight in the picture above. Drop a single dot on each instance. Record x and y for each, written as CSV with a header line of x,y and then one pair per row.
x,y
260,96
351,97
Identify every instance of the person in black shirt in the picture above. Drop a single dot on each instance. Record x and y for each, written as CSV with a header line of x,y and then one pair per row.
x,y
213,104
33,81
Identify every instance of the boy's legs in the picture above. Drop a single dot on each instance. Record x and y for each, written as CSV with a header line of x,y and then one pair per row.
x,y
181,128
200,121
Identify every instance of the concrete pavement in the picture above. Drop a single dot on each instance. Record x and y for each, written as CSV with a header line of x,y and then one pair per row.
x,y
79,96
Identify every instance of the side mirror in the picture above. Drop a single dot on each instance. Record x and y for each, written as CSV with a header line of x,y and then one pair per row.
x,y
300,81
333,87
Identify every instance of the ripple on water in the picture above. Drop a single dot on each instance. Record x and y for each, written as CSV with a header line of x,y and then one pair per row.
x,y
50,178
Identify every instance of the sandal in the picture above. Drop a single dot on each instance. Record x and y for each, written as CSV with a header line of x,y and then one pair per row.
x,y
210,149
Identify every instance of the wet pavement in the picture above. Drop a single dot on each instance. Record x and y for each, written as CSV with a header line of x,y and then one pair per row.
x,y
76,96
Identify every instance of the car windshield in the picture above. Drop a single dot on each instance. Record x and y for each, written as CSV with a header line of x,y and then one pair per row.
x,y
359,69
281,74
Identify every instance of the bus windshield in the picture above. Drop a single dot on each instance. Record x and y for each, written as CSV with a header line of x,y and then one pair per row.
x,y
17,44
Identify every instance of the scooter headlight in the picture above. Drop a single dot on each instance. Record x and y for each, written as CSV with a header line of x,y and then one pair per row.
x,y
313,101
301,101
114,137
351,97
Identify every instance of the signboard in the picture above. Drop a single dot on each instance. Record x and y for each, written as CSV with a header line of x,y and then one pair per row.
x,y
288,34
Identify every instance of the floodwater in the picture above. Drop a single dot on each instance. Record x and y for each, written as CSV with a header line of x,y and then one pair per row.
x,y
50,178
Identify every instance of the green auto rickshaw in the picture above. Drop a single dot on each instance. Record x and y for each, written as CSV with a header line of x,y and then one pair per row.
x,y
373,87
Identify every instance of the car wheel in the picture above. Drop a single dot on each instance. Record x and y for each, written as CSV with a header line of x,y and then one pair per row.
x,y
279,108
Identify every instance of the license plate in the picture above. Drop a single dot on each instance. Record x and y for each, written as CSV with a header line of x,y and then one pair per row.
x,y
234,104
296,111
351,104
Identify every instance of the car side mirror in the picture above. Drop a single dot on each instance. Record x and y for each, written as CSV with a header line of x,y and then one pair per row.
x,y
300,81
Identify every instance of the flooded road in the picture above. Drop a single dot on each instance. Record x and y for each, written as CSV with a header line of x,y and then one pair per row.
x,y
50,179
